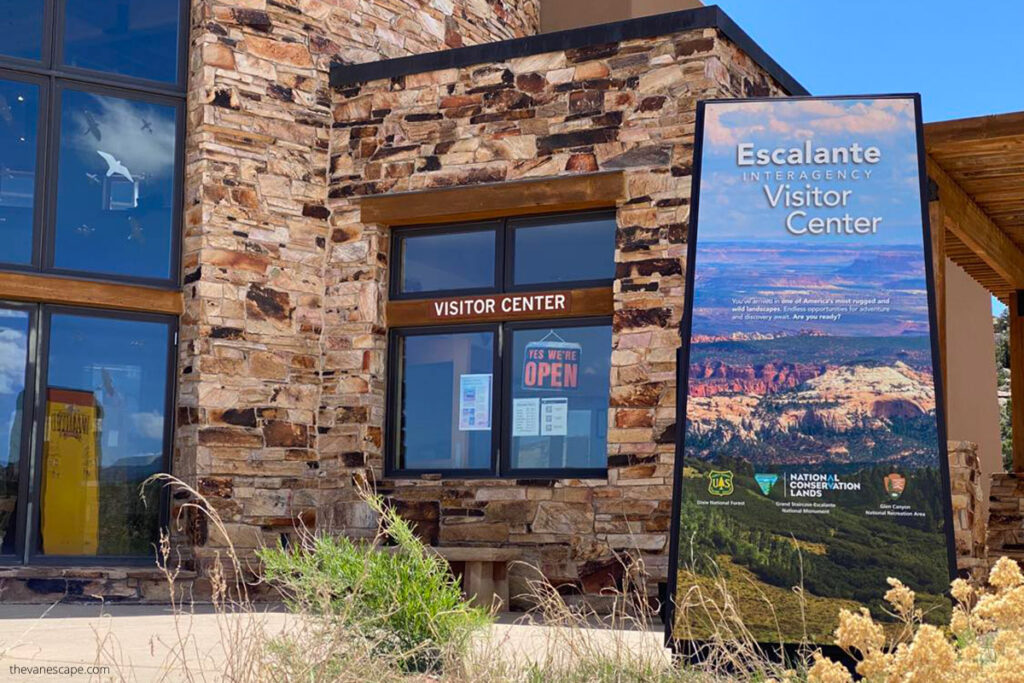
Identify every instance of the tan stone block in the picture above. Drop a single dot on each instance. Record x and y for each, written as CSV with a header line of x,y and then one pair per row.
x,y
563,518
616,435
650,542
590,70
661,79
218,55
237,535
278,52
475,532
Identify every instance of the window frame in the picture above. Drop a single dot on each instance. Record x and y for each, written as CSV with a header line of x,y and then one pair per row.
x,y
54,77
505,465
45,49
398,236
48,229
509,227
38,189
393,423
42,291
30,525
25,464
51,54
501,421
502,363
504,250
180,68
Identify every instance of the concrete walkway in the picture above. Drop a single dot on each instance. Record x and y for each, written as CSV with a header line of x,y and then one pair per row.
x,y
137,642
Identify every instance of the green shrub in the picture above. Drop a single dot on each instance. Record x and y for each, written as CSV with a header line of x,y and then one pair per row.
x,y
402,601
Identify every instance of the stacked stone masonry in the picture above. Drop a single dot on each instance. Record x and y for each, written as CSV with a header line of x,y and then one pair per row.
x,y
969,515
627,107
1006,517
255,250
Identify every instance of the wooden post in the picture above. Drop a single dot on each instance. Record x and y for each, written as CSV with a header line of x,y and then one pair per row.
x,y
1017,377
937,222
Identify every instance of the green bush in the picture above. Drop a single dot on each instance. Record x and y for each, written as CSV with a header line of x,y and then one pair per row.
x,y
402,601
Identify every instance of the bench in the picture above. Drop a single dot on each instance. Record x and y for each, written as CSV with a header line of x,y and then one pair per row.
x,y
484,572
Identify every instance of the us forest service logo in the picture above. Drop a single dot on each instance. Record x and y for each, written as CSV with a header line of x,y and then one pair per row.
x,y
894,485
766,482
720,482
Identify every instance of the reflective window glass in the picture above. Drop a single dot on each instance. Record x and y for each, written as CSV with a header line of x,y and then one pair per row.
x,y
559,391
447,401
115,186
21,28
13,358
104,435
136,38
19,117
447,261
558,249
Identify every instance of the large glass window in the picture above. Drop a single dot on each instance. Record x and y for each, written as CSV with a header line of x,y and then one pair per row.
x,y
447,400
559,389
14,335
92,98
19,142
95,190
560,249
105,405
115,186
501,397
136,38
447,261
21,28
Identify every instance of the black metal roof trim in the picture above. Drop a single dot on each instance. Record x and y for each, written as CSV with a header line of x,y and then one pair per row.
x,y
712,16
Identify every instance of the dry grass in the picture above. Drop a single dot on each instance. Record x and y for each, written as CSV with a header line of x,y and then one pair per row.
x,y
330,641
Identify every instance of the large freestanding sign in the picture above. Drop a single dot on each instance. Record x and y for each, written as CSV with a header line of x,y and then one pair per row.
x,y
814,450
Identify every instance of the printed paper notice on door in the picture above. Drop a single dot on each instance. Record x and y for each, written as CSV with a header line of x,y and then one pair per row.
x,y
554,417
525,416
474,403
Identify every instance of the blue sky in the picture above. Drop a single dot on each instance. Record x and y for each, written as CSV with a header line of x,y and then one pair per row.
x,y
966,59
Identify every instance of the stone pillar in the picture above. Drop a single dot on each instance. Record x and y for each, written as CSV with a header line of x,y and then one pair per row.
x,y
969,519
253,360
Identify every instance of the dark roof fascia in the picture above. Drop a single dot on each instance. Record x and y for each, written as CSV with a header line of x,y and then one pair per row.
x,y
712,16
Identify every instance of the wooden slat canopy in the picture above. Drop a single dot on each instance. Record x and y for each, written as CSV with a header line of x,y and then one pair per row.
x,y
977,167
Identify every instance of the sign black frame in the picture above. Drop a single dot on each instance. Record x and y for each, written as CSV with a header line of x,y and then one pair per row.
x,y
694,649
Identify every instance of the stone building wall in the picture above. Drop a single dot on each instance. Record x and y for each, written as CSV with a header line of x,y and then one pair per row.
x,y
970,523
627,107
1006,517
256,234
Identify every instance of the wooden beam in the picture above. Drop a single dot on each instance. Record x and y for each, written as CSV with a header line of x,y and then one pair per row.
x,y
578,303
937,224
1017,378
477,202
974,228
973,129
60,290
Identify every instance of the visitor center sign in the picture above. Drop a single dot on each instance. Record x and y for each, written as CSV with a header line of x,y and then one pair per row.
x,y
812,465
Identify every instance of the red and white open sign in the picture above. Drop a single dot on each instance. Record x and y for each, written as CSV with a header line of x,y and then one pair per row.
x,y
552,365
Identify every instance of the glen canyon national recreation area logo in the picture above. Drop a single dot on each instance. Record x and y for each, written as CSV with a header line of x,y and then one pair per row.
x,y
766,482
894,484
720,482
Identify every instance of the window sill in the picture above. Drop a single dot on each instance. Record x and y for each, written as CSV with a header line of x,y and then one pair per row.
x,y
532,478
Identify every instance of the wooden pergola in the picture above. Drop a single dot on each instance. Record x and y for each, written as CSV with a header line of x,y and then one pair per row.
x,y
976,167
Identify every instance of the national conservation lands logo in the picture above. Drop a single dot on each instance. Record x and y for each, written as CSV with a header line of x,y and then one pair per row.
x,y
766,482
720,482
894,484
